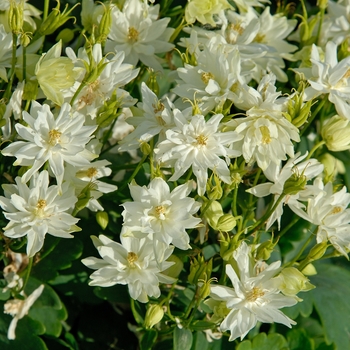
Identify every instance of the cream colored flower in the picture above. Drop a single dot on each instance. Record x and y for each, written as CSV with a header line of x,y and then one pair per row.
x,y
336,133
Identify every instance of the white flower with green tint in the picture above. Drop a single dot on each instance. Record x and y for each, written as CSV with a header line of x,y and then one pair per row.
x,y
254,297
37,210
130,262
56,140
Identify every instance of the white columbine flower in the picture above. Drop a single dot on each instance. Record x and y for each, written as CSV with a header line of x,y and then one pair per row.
x,y
37,210
113,77
18,308
266,136
198,144
56,140
329,210
85,178
160,213
138,32
330,77
278,176
254,296
132,262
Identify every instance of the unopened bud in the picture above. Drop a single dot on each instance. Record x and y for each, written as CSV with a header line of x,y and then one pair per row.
x,y
145,148
200,270
102,219
294,184
104,26
15,16
336,133
226,223
154,314
66,35
317,251
152,82
213,186
265,249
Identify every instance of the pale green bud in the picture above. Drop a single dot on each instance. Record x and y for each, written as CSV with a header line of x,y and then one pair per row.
x,y
322,4
56,19
102,219
213,186
25,39
226,223
294,184
213,213
265,249
15,16
317,251
200,270
228,245
332,166
292,281
154,314
145,148
336,133
66,35
104,26
309,270
152,82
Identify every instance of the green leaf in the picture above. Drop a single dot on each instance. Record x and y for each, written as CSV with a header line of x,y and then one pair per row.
x,y
183,339
148,339
200,342
299,340
27,332
64,251
48,309
273,341
330,298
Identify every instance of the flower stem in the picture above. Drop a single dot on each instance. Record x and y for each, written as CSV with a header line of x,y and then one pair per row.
x,y
318,145
313,115
28,271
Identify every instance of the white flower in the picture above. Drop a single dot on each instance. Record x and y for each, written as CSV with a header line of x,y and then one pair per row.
x,y
162,214
254,296
132,262
330,77
36,210
56,140
152,117
18,308
214,79
266,137
114,75
278,177
198,144
137,31
330,212
87,176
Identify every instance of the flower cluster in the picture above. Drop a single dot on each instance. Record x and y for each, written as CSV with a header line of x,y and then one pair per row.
x,y
202,148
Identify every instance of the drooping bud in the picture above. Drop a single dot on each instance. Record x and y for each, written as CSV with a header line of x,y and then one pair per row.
x,y
336,133
102,219
154,314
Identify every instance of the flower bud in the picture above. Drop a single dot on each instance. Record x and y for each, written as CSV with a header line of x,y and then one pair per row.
x,y
228,245
226,223
265,249
213,186
294,184
15,16
336,133
200,270
154,314
317,251
104,26
322,4
152,82
66,35
145,148
102,219
25,39
292,281
56,19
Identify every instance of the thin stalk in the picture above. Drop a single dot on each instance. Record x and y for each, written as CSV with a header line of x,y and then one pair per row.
x,y
313,115
313,149
28,271
289,226
46,9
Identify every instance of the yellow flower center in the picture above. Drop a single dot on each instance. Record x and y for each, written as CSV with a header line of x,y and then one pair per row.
x,y
158,107
40,207
260,38
90,95
54,137
201,140
265,135
336,210
160,210
133,34
132,257
232,32
206,77
91,172
255,293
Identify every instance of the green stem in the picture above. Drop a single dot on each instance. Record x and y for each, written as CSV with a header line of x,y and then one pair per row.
x,y
192,303
234,202
137,169
289,226
46,9
8,91
317,41
318,145
314,114
263,219
24,63
81,86
28,271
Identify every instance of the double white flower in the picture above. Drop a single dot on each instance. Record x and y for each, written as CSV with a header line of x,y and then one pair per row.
x,y
56,140
255,296
198,144
133,263
36,210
